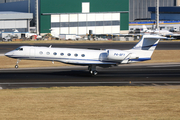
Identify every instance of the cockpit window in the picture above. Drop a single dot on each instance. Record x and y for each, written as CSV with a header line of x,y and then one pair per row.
x,y
20,49
17,48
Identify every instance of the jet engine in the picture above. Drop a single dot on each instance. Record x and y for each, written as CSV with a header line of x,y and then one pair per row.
x,y
133,56
117,55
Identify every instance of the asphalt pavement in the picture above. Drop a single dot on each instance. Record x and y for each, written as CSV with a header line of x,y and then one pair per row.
x,y
123,75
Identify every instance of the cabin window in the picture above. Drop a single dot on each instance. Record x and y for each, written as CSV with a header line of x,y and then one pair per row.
x,y
40,52
83,55
62,54
69,54
75,55
54,53
48,53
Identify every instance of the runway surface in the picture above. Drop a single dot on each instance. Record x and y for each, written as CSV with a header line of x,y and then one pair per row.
x,y
121,45
132,75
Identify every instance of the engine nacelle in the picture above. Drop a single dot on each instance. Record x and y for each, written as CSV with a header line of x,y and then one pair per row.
x,y
116,55
133,56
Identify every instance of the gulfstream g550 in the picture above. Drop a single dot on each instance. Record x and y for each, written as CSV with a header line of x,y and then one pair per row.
x,y
142,51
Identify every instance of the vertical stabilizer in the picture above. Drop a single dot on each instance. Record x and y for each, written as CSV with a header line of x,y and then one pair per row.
x,y
148,42
146,46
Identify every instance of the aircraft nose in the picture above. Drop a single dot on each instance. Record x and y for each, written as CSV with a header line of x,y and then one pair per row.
x,y
8,54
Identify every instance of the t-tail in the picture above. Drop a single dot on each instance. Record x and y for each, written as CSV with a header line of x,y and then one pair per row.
x,y
144,49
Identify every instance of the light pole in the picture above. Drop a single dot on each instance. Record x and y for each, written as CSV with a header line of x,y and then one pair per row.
x,y
157,14
37,17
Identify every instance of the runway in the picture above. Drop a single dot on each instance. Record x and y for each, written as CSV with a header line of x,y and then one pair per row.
x,y
131,75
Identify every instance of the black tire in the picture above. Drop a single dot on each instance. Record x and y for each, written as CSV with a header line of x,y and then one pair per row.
x,y
95,73
16,66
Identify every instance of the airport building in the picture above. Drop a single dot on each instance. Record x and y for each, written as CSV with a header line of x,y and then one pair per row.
x,y
165,13
138,9
15,21
169,19
79,17
74,16
23,6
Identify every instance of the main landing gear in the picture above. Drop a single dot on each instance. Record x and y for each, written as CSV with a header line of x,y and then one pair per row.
x,y
16,66
92,70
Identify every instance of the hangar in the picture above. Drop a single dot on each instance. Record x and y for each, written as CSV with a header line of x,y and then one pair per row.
x,y
79,16
15,21
139,8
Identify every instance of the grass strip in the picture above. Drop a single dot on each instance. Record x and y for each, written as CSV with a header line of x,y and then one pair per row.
x,y
91,103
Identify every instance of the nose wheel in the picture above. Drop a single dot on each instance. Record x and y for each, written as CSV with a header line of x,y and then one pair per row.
x,y
16,66
92,70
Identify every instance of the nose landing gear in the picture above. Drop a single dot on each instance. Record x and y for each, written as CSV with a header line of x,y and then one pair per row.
x,y
16,66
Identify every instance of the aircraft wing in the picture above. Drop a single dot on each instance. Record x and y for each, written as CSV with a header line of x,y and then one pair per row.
x,y
87,62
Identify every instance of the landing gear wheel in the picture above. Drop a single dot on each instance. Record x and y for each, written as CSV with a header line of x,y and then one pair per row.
x,y
94,73
92,70
16,66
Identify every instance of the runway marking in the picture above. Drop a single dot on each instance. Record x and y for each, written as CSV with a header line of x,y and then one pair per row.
x,y
123,82
165,66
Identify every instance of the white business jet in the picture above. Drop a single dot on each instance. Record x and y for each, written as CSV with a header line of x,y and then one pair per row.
x,y
142,51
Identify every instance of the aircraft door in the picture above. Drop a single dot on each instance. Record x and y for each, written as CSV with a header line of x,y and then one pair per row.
x,y
32,53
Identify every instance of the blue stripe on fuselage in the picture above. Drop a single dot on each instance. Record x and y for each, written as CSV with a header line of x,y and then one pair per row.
x,y
141,59
75,59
